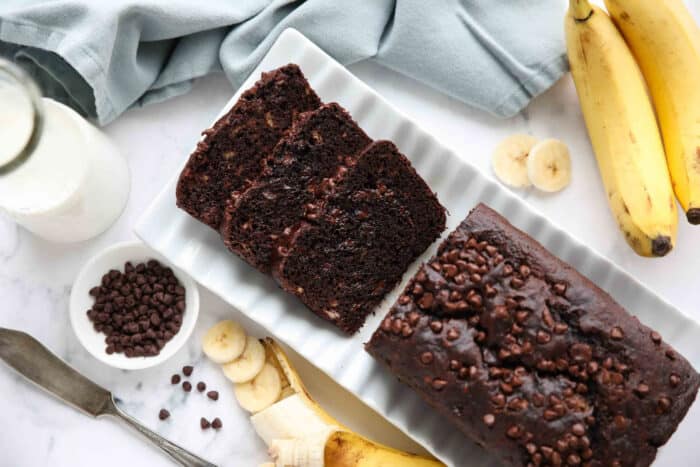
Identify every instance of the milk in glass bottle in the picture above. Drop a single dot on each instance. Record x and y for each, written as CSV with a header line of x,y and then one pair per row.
x,y
60,177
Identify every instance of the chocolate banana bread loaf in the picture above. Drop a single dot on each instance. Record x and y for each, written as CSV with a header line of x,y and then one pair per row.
x,y
380,216
297,176
230,155
529,358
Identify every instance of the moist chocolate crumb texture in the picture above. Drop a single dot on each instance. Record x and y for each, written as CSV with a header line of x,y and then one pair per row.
x,y
230,155
301,171
530,359
338,263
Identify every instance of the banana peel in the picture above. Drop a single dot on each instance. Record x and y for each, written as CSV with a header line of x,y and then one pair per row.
x,y
341,446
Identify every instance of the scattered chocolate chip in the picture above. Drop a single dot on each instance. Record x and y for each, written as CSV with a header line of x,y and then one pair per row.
x,y
175,379
216,423
655,337
187,386
436,326
616,333
426,358
201,386
204,423
489,419
560,288
163,414
213,395
187,370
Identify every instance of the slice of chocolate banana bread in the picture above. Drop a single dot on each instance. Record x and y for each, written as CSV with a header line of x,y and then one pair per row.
x,y
231,152
379,218
298,175
530,359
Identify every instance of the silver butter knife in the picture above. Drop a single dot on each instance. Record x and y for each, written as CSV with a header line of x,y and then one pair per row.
x,y
36,363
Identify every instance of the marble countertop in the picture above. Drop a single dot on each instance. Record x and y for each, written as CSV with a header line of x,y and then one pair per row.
x,y
36,277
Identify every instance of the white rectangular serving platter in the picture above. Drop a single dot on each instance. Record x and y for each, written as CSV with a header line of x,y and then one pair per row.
x,y
198,250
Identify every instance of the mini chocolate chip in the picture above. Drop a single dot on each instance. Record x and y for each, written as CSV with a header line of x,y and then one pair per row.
x,y
204,423
514,432
413,318
455,365
543,337
187,370
438,384
498,400
507,270
163,414
489,419
463,373
642,389
426,358
674,380
670,354
560,328
616,333
560,288
452,334
550,415
516,282
475,301
578,429
213,395
573,459
216,423
500,312
175,379
663,404
620,422
386,324
187,386
436,326
201,386
655,337
426,301
406,330
396,326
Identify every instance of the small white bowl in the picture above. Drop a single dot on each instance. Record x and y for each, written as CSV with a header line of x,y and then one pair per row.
x,y
90,276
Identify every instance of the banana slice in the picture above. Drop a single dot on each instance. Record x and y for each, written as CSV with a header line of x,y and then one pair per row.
x,y
261,392
549,165
288,418
248,365
224,342
509,160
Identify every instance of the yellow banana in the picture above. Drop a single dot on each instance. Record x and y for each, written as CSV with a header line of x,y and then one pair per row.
x,y
340,446
666,42
623,130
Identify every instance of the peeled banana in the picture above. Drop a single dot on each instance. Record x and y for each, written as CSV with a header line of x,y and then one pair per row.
x,y
666,42
321,440
623,130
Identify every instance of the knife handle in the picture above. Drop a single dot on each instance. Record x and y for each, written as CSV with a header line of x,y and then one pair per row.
x,y
177,453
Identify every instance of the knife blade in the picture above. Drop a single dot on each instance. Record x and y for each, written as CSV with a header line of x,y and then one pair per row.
x,y
36,363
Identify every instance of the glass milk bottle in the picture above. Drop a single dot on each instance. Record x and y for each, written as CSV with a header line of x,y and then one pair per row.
x,y
60,177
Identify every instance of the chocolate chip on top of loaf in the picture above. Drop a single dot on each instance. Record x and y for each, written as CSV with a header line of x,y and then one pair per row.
x,y
530,359
378,218
231,153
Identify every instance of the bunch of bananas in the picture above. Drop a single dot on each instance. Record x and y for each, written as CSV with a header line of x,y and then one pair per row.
x,y
642,47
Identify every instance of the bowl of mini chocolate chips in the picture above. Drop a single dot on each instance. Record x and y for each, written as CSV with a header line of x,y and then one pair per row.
x,y
130,309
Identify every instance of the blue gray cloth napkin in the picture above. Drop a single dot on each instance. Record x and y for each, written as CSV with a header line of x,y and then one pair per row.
x,y
103,56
